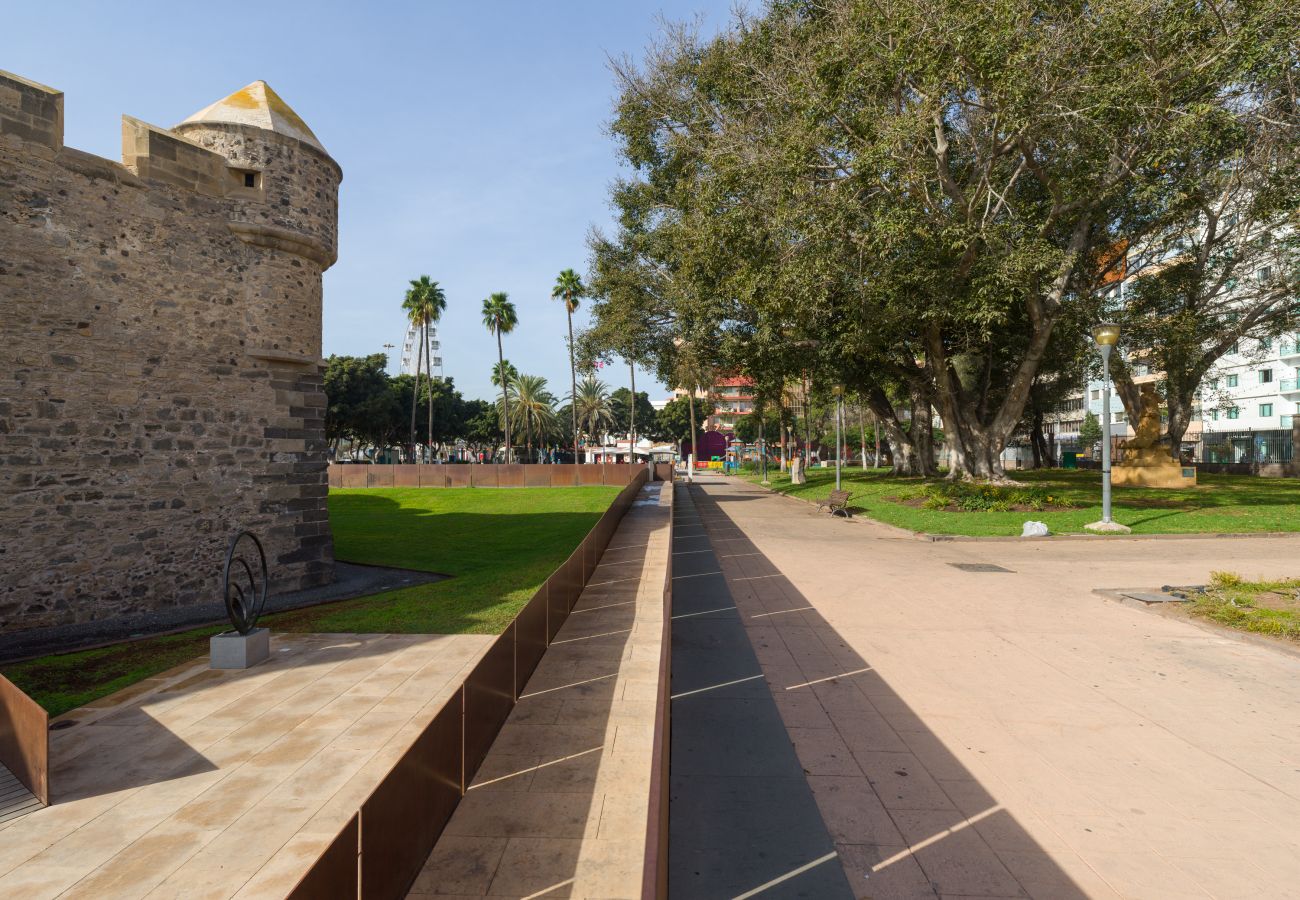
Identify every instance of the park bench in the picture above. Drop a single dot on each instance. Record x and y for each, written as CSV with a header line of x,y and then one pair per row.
x,y
837,503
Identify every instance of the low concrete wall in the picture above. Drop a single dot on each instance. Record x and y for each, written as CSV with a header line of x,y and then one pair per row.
x,y
451,475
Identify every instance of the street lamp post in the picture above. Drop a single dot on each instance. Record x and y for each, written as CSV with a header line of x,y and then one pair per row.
x,y
1106,335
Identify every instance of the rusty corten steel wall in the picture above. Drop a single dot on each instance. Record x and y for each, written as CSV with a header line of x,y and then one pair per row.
x,y
487,475
385,845
489,697
334,875
25,739
406,812
531,638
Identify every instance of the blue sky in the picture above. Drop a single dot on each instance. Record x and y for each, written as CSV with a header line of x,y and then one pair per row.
x,y
471,136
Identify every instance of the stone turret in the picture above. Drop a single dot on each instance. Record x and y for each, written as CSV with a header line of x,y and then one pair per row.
x,y
282,189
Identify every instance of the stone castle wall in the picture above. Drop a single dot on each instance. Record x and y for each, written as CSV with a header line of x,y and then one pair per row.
x,y
160,378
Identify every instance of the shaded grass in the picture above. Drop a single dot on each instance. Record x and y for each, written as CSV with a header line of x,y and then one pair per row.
x,y
1264,607
499,546
1218,504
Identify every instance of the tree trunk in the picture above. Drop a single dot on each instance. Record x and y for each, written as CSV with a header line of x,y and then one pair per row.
x,y
631,456
505,397
428,368
573,383
415,396
695,444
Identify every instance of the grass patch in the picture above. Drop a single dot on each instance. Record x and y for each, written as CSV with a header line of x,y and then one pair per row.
x,y
1218,504
499,544
1264,607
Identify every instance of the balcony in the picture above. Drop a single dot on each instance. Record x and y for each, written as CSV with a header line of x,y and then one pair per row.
x,y
1287,422
1289,386
1289,351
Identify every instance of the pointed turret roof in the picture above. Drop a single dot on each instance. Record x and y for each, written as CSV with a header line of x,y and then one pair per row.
x,y
261,107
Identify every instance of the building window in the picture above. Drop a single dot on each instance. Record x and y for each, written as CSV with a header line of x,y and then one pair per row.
x,y
1232,381
1265,376
1214,414
1119,418
1266,410
1212,384
1234,412
1235,348
1096,395
1264,274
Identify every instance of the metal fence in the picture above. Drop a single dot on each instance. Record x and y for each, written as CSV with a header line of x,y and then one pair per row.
x,y
381,849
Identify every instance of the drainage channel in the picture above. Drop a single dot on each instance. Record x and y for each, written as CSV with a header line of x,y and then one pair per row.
x,y
742,818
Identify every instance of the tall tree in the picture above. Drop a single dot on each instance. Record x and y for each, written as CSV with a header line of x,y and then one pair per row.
x,y
569,288
499,317
424,304
927,189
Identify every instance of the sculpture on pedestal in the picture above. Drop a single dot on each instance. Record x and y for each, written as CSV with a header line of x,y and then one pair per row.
x,y
1147,462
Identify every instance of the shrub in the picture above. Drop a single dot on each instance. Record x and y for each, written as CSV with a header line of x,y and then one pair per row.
x,y
974,497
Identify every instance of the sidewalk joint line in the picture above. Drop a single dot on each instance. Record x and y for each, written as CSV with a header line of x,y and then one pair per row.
x,y
604,606
829,678
590,636
714,687
697,575
703,612
912,848
782,612
535,768
787,876
564,686
756,577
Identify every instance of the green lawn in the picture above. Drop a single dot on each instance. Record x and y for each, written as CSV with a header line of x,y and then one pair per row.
x,y
1218,504
500,545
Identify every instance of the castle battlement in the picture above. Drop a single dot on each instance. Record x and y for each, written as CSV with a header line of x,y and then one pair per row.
x,y
160,343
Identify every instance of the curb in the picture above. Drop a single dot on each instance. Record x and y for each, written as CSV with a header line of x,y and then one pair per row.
x,y
1282,645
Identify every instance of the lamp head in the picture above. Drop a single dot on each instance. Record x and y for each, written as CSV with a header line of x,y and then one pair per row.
x,y
1106,334
838,390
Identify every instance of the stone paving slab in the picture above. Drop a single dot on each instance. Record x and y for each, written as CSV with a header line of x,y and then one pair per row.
x,y
211,784
1013,734
559,807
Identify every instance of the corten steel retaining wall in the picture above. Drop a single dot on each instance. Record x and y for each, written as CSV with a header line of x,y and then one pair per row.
x,y
451,475
25,739
654,873
382,848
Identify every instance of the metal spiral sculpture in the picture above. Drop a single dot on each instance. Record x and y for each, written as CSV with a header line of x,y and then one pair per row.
x,y
245,594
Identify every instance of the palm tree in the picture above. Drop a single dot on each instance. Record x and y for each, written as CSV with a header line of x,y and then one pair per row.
x,y
511,373
534,406
591,407
499,317
569,288
424,304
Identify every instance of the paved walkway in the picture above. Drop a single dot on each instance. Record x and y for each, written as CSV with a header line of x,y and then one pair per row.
x,y
208,784
742,817
1013,734
559,807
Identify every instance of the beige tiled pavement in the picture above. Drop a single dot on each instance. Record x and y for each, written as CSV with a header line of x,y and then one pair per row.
x,y
206,784
1014,734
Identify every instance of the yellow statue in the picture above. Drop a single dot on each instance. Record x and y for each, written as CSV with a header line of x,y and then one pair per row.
x,y
1147,462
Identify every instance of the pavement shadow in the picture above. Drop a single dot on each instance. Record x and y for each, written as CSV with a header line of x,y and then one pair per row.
x,y
906,817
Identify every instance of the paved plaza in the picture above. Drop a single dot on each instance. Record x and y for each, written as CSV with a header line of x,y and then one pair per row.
x,y
1010,734
210,784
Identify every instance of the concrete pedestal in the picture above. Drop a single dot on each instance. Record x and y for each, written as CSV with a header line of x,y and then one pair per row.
x,y
1107,528
239,651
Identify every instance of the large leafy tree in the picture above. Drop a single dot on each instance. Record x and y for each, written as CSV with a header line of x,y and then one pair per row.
x,y
500,317
925,189
424,304
627,416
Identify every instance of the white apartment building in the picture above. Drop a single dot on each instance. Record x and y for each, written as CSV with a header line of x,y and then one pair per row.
x,y
411,353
